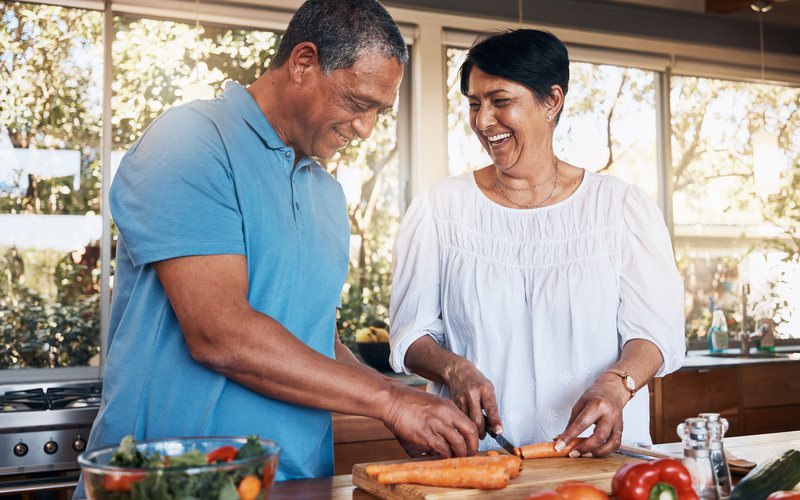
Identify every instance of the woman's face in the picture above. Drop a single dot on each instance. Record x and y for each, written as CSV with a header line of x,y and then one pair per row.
x,y
508,119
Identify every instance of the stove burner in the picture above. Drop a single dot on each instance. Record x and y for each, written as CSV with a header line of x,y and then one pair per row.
x,y
71,396
75,396
29,399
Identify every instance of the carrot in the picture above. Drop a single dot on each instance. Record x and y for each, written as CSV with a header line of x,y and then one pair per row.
x,y
484,477
547,450
511,463
249,488
492,453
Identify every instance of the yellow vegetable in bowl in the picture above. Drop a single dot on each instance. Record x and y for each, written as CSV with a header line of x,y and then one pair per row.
x,y
372,334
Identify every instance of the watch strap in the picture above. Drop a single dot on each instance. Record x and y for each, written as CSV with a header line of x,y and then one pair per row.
x,y
624,376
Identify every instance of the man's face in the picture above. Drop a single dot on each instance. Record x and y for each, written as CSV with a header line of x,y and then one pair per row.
x,y
345,103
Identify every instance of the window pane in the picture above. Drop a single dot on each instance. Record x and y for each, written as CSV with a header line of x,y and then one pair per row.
x,y
608,124
154,63
50,223
464,151
369,172
730,213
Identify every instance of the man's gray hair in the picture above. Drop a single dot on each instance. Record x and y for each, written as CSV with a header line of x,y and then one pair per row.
x,y
342,30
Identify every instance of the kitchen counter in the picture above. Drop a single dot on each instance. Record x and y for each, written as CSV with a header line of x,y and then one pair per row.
x,y
702,359
756,448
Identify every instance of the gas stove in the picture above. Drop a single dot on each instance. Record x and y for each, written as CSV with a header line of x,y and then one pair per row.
x,y
44,427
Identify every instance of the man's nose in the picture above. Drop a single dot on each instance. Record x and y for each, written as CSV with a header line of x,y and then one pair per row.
x,y
364,123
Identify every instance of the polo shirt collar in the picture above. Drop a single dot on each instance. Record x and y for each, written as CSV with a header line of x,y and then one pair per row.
x,y
247,107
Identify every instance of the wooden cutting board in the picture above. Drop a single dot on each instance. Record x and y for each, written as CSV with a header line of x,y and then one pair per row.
x,y
537,475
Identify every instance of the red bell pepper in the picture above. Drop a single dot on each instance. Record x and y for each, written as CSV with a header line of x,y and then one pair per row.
x,y
223,454
661,479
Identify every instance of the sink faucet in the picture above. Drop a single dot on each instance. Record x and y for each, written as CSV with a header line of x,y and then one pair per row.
x,y
746,336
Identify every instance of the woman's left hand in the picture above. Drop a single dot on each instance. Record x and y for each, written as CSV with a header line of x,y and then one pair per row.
x,y
601,405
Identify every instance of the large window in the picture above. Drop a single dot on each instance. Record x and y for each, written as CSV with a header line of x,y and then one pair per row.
x,y
608,124
731,230
50,224
733,223
154,61
50,166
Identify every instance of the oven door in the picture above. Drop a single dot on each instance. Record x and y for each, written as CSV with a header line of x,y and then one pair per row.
x,y
56,485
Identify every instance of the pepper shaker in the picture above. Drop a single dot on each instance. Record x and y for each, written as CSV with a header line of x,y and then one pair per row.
x,y
697,457
717,427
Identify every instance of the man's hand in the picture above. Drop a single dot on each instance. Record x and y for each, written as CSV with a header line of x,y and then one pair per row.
x,y
473,393
428,424
601,405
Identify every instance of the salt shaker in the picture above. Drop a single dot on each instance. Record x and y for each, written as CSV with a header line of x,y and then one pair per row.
x,y
697,457
717,427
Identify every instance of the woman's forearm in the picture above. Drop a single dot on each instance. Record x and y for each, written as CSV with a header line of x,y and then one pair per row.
x,y
427,358
641,359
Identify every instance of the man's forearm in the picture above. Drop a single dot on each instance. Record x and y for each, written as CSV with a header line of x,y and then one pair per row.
x,y
345,355
263,356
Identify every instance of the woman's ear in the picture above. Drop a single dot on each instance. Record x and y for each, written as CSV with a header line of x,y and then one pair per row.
x,y
555,101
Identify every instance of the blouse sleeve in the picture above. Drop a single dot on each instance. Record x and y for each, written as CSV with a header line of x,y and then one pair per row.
x,y
651,290
415,309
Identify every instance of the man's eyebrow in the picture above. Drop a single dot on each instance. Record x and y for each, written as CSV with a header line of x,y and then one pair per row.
x,y
488,94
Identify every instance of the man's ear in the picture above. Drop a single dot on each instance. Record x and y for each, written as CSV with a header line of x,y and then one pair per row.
x,y
304,58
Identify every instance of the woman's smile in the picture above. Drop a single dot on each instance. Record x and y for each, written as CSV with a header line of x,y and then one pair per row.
x,y
496,141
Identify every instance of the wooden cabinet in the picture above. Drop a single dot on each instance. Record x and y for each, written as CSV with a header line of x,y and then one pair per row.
x,y
755,398
688,393
361,439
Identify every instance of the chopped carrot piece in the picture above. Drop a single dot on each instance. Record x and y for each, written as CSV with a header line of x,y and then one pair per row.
x,y
548,449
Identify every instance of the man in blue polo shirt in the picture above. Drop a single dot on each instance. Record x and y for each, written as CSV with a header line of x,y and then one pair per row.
x,y
233,250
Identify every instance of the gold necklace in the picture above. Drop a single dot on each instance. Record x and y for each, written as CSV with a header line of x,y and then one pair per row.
x,y
501,188
530,188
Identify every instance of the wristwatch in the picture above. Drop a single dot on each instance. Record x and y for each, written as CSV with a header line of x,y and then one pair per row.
x,y
627,381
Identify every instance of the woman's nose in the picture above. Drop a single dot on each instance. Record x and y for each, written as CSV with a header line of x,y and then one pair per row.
x,y
484,118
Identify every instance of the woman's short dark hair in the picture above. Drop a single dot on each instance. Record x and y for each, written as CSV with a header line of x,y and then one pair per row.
x,y
342,30
536,59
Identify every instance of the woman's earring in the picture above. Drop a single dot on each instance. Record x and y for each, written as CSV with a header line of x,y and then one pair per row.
x,y
549,117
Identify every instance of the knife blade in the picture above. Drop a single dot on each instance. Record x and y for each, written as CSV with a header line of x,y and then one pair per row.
x,y
500,439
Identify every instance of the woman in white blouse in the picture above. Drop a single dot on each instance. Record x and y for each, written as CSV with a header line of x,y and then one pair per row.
x,y
535,294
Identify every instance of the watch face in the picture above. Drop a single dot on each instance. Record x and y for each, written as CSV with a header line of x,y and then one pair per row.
x,y
629,383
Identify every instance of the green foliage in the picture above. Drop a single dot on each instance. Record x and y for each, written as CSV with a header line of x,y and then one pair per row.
x,y
35,333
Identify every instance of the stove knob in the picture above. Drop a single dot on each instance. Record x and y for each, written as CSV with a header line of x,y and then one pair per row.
x,y
79,444
50,447
21,449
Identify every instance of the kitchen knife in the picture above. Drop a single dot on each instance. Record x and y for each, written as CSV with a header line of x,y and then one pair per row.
x,y
500,439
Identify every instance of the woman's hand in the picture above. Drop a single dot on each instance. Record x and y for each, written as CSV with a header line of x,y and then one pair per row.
x,y
474,394
469,389
601,405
